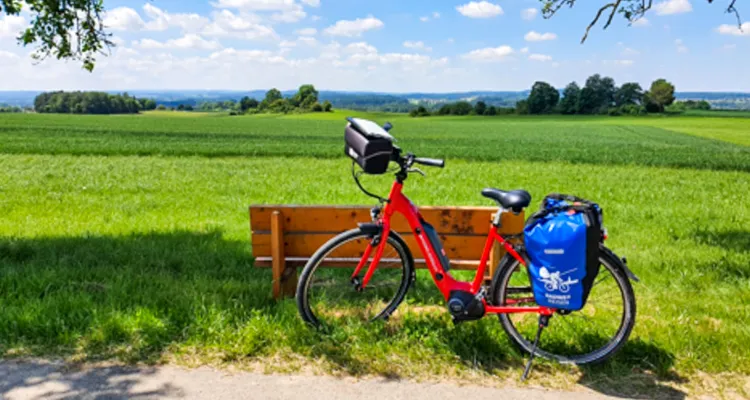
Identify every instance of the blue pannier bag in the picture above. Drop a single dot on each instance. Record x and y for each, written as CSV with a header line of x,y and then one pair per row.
x,y
562,241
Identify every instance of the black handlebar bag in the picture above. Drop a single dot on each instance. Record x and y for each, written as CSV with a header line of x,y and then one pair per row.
x,y
369,146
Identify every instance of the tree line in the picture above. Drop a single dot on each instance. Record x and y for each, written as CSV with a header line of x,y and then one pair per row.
x,y
600,95
305,100
90,103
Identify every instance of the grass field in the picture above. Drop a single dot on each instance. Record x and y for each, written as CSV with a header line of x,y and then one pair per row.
x,y
126,237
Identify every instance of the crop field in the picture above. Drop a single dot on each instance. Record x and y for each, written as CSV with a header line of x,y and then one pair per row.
x,y
126,237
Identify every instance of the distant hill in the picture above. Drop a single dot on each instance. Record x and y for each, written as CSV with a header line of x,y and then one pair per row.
x,y
396,102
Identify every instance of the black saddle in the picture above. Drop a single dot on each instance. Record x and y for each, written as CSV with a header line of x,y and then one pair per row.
x,y
515,200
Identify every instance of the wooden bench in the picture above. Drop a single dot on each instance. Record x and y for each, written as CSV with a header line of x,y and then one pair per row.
x,y
284,237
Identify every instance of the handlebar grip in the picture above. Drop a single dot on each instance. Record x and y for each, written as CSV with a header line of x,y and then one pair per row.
x,y
431,162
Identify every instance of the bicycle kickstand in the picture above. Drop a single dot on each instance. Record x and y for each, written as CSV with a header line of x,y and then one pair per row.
x,y
543,323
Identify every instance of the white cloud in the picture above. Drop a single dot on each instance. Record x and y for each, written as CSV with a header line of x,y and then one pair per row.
x,y
418,45
729,47
287,43
540,57
290,16
669,7
244,26
315,17
534,36
424,19
641,22
555,64
681,48
482,9
529,14
123,19
489,54
525,50
354,28
188,42
162,20
257,5
735,30
307,31
436,15
361,48
11,26
307,40
312,3
628,52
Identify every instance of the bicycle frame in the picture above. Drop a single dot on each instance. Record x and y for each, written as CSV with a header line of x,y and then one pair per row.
x,y
399,203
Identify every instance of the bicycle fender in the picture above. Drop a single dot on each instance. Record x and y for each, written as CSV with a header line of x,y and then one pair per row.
x,y
623,263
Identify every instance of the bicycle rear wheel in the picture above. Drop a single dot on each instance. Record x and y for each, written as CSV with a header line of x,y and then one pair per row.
x,y
326,295
588,336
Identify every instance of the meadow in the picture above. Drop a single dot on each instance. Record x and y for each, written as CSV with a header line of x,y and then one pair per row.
x,y
126,237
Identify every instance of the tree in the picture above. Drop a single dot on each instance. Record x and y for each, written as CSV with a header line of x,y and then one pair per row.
x,y
480,108
661,94
569,102
629,93
587,101
161,107
597,96
64,29
327,106
543,98
317,108
491,111
522,107
631,10
86,103
305,97
462,108
247,103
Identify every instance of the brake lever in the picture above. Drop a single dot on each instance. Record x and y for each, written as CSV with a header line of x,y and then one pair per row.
x,y
417,170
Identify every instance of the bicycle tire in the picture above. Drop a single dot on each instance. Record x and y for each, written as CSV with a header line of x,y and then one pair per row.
x,y
406,266
609,262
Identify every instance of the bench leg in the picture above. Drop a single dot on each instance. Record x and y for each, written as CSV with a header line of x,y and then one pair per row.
x,y
284,277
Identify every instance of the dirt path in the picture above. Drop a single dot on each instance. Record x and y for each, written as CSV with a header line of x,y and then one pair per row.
x,y
52,380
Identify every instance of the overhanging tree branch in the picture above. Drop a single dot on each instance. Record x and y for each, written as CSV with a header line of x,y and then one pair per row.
x,y
631,10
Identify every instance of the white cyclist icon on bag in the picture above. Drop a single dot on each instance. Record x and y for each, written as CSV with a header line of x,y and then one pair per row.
x,y
553,281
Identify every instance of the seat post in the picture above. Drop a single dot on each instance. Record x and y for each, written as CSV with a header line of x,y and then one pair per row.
x,y
497,222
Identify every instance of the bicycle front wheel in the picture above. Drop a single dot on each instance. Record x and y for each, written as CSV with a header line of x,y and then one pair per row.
x,y
588,336
326,295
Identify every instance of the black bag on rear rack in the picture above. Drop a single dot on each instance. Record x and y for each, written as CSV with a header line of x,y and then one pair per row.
x,y
370,148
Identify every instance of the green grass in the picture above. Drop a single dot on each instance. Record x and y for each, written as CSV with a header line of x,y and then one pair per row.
x,y
126,237
575,140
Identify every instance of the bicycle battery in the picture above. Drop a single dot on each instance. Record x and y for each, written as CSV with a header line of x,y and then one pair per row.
x,y
434,239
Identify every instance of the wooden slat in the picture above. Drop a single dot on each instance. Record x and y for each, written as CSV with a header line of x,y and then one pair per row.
x,y
299,262
456,247
446,220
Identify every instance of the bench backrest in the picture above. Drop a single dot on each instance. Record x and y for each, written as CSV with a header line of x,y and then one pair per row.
x,y
300,230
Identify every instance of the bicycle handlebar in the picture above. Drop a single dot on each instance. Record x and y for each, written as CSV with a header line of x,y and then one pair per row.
x,y
430,162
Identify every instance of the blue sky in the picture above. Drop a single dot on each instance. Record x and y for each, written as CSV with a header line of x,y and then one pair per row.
x,y
393,46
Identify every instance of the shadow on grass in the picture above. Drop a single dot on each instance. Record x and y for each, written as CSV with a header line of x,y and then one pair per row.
x,y
35,379
128,297
737,243
641,370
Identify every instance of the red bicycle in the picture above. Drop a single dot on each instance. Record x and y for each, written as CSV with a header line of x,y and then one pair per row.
x,y
373,286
